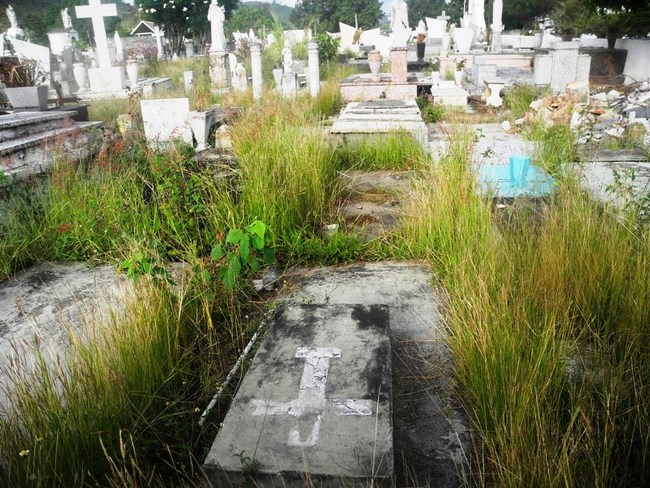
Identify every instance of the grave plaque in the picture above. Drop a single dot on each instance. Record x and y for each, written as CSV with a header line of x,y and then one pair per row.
x,y
315,402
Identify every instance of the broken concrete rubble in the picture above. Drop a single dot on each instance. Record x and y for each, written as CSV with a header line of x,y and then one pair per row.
x,y
598,116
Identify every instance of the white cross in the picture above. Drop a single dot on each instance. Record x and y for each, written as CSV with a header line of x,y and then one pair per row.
x,y
444,16
311,399
158,34
96,12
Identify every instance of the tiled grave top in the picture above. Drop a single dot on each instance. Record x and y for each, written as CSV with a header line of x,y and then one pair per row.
x,y
24,118
316,401
380,117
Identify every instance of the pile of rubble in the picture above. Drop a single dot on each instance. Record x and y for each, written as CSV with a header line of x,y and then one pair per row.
x,y
612,114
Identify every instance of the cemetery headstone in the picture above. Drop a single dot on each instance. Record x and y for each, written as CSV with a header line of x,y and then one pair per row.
x,y
159,35
165,120
562,66
497,26
314,70
399,23
14,31
241,77
399,65
256,68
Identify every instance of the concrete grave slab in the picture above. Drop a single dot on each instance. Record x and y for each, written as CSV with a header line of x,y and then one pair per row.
x,y
30,142
380,117
315,403
41,306
431,436
599,178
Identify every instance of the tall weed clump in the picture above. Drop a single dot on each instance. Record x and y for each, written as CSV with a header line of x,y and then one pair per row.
x,y
398,151
288,172
548,330
131,378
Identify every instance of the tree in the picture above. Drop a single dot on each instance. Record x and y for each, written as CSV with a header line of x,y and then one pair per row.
x,y
325,15
419,9
38,18
182,18
249,17
519,14
605,18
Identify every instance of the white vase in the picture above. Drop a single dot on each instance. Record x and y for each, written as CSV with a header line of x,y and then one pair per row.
x,y
374,63
81,76
132,70
538,38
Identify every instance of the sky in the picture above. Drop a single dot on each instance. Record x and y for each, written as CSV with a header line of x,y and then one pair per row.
x,y
292,3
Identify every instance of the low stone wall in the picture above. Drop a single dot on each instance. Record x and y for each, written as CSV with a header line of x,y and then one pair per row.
x,y
637,65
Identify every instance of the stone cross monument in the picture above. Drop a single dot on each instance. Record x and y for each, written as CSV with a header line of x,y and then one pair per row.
x,y
96,11
106,81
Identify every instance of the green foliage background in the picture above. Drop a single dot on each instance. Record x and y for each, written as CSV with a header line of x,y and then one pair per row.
x,y
37,18
325,15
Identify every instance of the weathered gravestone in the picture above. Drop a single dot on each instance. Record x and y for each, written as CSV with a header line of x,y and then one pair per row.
x,y
315,403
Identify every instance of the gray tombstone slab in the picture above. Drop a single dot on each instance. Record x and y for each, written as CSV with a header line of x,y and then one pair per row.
x,y
481,71
542,69
583,68
565,63
165,120
315,403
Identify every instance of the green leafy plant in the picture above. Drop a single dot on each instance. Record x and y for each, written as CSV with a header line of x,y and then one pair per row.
x,y
327,47
251,466
431,112
635,205
140,265
244,249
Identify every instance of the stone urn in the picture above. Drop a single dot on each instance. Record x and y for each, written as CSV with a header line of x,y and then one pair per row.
x,y
538,38
80,76
132,71
374,62
420,48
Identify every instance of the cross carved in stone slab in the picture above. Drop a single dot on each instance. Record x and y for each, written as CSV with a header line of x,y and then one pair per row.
x,y
311,399
96,11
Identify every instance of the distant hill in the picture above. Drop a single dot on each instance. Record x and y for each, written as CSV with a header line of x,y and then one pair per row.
x,y
282,12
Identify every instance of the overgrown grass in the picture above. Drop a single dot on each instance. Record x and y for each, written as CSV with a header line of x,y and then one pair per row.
x,y
288,171
519,97
133,383
120,411
548,338
547,312
398,151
